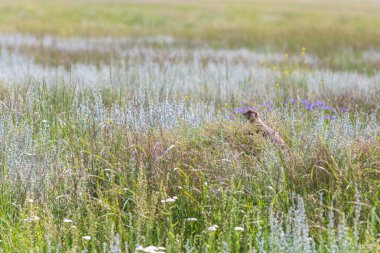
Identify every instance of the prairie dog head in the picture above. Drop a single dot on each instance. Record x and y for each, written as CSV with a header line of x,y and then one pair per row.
x,y
251,115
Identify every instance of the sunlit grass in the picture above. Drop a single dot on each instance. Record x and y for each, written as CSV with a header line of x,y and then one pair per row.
x,y
321,26
119,140
142,151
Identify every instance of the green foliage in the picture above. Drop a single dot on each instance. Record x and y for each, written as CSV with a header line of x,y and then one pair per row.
x,y
123,189
321,26
106,146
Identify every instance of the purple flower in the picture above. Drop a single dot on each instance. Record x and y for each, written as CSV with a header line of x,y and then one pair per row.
x,y
343,109
290,101
243,109
230,116
317,105
268,105
329,117
327,107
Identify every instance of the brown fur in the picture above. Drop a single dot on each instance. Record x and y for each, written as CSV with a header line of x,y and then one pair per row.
x,y
262,128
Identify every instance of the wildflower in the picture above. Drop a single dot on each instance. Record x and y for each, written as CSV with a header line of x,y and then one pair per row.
x,y
243,109
192,219
268,105
31,219
139,248
230,116
67,221
239,229
329,117
86,237
169,200
151,249
213,228
290,101
343,109
30,201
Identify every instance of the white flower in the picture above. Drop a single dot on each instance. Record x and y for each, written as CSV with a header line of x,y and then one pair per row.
x,y
139,248
30,200
67,221
192,219
239,229
169,200
212,228
150,249
86,237
32,218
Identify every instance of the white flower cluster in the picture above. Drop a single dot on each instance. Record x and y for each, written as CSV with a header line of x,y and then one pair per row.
x,y
169,200
151,249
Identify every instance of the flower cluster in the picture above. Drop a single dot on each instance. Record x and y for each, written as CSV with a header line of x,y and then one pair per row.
x,y
317,105
151,249
169,200
243,109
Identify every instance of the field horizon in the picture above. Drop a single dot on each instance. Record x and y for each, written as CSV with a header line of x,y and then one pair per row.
x,y
323,27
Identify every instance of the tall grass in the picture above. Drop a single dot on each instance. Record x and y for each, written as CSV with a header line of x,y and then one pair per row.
x,y
146,151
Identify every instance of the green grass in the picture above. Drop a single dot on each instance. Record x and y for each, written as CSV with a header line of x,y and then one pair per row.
x,y
110,180
322,27
150,143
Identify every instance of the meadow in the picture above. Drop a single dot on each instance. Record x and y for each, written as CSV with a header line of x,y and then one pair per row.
x,y
120,128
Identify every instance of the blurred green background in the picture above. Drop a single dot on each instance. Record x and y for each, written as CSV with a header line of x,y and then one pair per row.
x,y
319,25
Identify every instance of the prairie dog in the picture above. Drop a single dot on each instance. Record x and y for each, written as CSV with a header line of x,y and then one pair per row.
x,y
261,127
